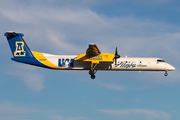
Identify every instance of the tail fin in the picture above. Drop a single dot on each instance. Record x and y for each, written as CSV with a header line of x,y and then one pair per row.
x,y
17,44
20,50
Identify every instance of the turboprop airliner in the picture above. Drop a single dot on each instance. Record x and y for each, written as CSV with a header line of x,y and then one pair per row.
x,y
93,60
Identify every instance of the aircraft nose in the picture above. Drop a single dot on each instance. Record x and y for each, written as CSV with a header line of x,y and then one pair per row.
x,y
170,67
173,68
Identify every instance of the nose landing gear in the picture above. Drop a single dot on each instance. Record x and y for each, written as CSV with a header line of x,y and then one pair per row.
x,y
166,74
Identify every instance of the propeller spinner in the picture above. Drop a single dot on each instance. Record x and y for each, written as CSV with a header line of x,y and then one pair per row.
x,y
116,56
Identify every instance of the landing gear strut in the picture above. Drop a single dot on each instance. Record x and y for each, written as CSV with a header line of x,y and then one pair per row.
x,y
166,74
92,71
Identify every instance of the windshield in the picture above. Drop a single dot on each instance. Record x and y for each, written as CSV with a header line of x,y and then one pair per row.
x,y
159,60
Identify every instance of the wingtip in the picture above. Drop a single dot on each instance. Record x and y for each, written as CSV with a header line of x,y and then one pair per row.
x,y
92,44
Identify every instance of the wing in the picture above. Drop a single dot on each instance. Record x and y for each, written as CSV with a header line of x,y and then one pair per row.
x,y
94,55
92,50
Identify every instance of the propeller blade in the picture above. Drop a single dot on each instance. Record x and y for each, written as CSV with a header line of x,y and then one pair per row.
x,y
116,56
116,51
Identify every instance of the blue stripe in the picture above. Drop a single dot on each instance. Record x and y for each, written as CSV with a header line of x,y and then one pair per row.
x,y
31,61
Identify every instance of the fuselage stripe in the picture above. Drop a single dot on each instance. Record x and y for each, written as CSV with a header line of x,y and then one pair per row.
x,y
42,59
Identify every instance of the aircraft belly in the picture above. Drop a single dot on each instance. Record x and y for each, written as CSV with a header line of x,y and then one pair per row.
x,y
87,66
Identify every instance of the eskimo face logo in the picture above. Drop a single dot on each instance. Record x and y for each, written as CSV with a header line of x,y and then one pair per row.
x,y
19,49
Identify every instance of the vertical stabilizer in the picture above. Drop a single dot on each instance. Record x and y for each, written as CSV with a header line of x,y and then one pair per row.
x,y
20,50
17,44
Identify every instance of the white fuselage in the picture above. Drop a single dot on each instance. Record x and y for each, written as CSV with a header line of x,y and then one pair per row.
x,y
66,62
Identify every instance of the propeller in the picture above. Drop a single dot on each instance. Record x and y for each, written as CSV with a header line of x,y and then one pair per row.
x,y
116,56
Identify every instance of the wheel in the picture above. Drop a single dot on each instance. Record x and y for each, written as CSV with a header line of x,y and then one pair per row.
x,y
92,76
166,74
91,72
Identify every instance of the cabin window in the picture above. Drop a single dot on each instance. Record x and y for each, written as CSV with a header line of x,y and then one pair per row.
x,y
159,60
140,61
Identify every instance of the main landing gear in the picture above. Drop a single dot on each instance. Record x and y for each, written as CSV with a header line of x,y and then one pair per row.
x,y
92,71
166,74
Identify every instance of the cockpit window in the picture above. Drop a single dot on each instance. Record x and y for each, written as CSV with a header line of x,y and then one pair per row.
x,y
159,60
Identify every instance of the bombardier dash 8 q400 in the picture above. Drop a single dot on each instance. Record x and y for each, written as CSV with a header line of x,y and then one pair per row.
x,y
92,60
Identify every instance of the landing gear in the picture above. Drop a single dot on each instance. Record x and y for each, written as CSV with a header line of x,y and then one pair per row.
x,y
92,76
92,71
166,74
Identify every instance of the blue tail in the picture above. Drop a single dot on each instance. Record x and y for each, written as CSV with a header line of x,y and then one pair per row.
x,y
20,50
17,44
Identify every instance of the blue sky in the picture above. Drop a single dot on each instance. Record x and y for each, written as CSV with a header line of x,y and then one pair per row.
x,y
138,28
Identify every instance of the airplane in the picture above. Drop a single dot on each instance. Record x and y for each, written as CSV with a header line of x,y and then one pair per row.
x,y
93,60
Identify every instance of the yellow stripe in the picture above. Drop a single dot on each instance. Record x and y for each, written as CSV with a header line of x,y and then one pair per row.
x,y
42,59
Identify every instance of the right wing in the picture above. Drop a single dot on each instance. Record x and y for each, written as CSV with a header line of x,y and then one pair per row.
x,y
92,50
94,55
